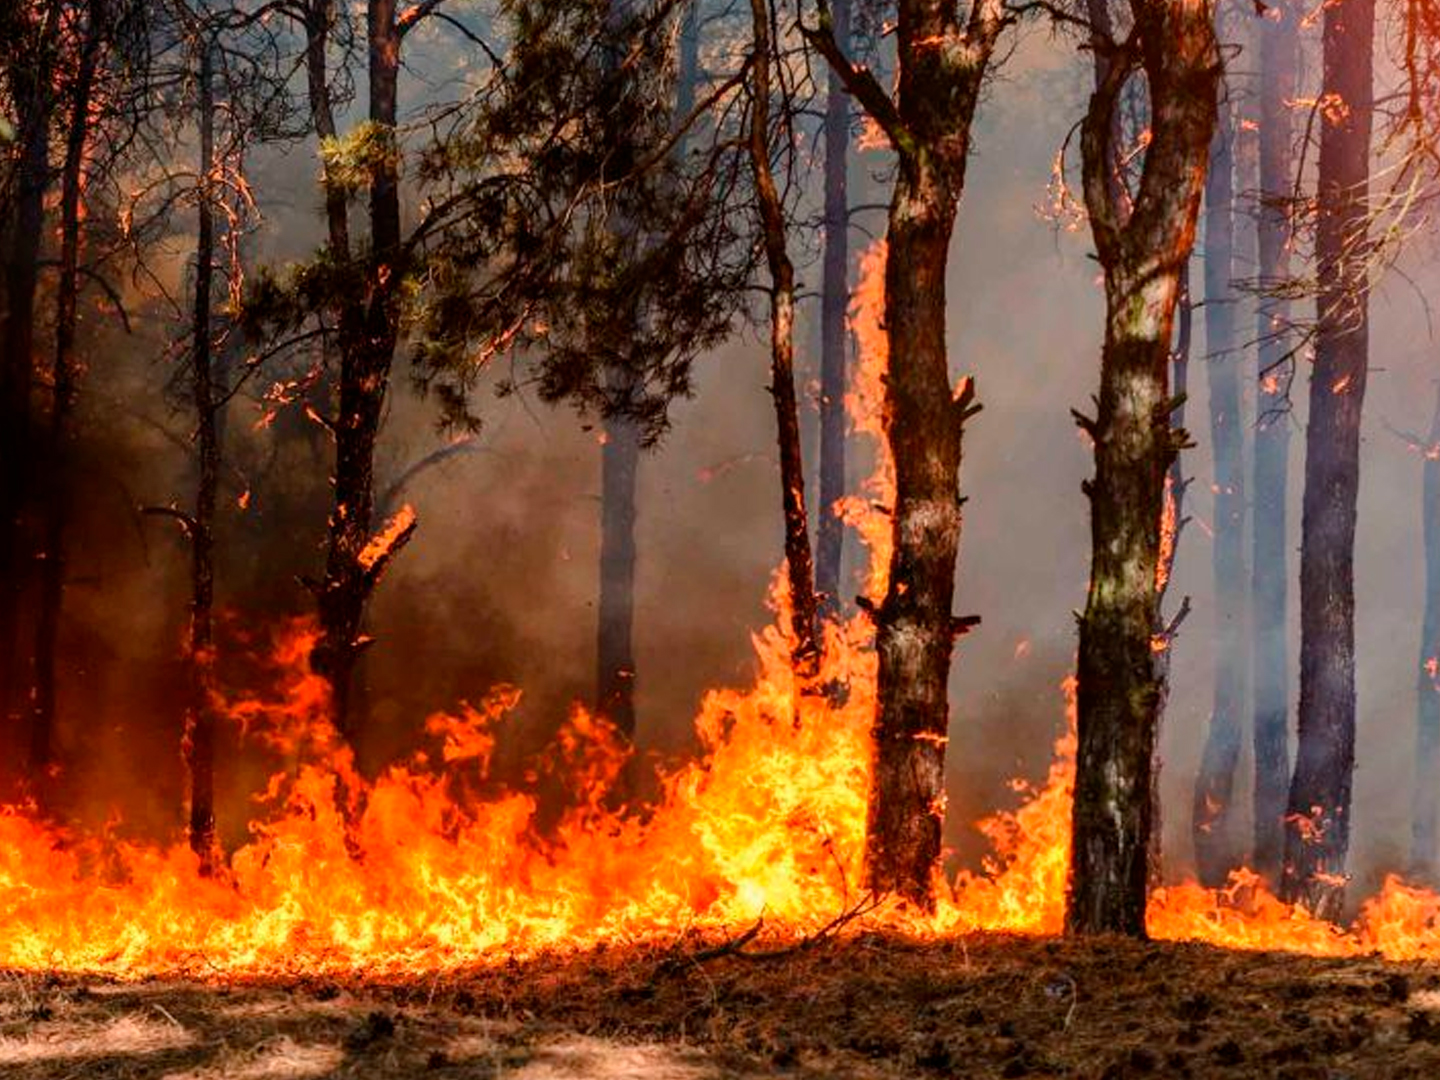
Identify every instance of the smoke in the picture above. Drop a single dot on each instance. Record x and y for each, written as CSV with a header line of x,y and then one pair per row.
x,y
499,584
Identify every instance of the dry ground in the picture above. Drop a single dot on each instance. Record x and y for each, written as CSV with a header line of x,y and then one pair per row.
x,y
866,1006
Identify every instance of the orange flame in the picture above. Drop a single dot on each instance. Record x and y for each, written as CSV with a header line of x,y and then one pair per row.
x,y
431,866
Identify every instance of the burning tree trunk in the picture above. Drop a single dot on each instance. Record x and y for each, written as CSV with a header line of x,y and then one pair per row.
x,y
369,330
1143,257
56,510
805,645
33,96
1270,553
834,335
1317,820
942,66
199,739
1425,808
1211,818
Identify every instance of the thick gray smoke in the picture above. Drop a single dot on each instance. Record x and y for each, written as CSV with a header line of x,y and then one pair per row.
x,y
500,582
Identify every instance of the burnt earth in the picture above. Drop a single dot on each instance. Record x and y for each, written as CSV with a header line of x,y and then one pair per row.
x,y
865,1006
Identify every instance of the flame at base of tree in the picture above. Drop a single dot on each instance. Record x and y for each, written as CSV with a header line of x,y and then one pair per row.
x,y
422,871
432,866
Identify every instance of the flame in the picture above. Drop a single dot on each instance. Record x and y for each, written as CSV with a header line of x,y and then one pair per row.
x,y
434,865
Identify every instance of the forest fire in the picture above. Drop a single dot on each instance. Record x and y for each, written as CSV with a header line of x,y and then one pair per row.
x,y
427,868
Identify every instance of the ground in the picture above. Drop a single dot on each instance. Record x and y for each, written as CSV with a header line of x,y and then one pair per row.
x,y
864,1006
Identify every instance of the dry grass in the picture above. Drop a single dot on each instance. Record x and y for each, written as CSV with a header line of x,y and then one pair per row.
x,y
866,1006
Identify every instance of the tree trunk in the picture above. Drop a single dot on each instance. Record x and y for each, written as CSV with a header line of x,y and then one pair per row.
x,y
57,504
199,738
942,66
1270,553
805,645
35,104
834,334
1317,822
1211,819
351,569
615,677
322,116
1425,807
1172,524
1143,257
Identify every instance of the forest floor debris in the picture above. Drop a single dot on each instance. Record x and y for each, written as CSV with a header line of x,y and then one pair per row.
x,y
866,1006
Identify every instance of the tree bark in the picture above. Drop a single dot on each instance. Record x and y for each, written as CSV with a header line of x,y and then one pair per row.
x,y
1214,801
57,503
1143,256
34,99
805,648
367,339
615,651
199,739
1173,523
1270,553
1317,822
834,333
1425,805
942,65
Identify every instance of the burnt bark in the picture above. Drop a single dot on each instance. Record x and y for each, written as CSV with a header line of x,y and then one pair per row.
x,y
942,65
369,330
34,99
805,647
1425,804
1270,552
198,744
1143,255
1173,524
1317,821
1211,821
834,333
56,510
615,650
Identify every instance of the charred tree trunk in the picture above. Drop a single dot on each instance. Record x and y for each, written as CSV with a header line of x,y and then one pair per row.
x,y
1425,807
1143,258
199,739
322,117
1270,552
57,503
615,652
1211,817
805,654
34,101
834,334
369,331
1317,821
942,65
1172,524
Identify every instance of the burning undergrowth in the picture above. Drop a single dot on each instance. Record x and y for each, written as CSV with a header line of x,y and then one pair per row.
x,y
435,866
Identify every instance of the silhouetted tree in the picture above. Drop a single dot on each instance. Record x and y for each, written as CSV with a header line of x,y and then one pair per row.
x,y
1270,550
1214,800
772,217
1317,821
834,333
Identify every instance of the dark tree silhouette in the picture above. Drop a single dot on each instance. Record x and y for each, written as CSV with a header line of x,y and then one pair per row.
x,y
1317,821
1270,550
771,213
834,333
1214,800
